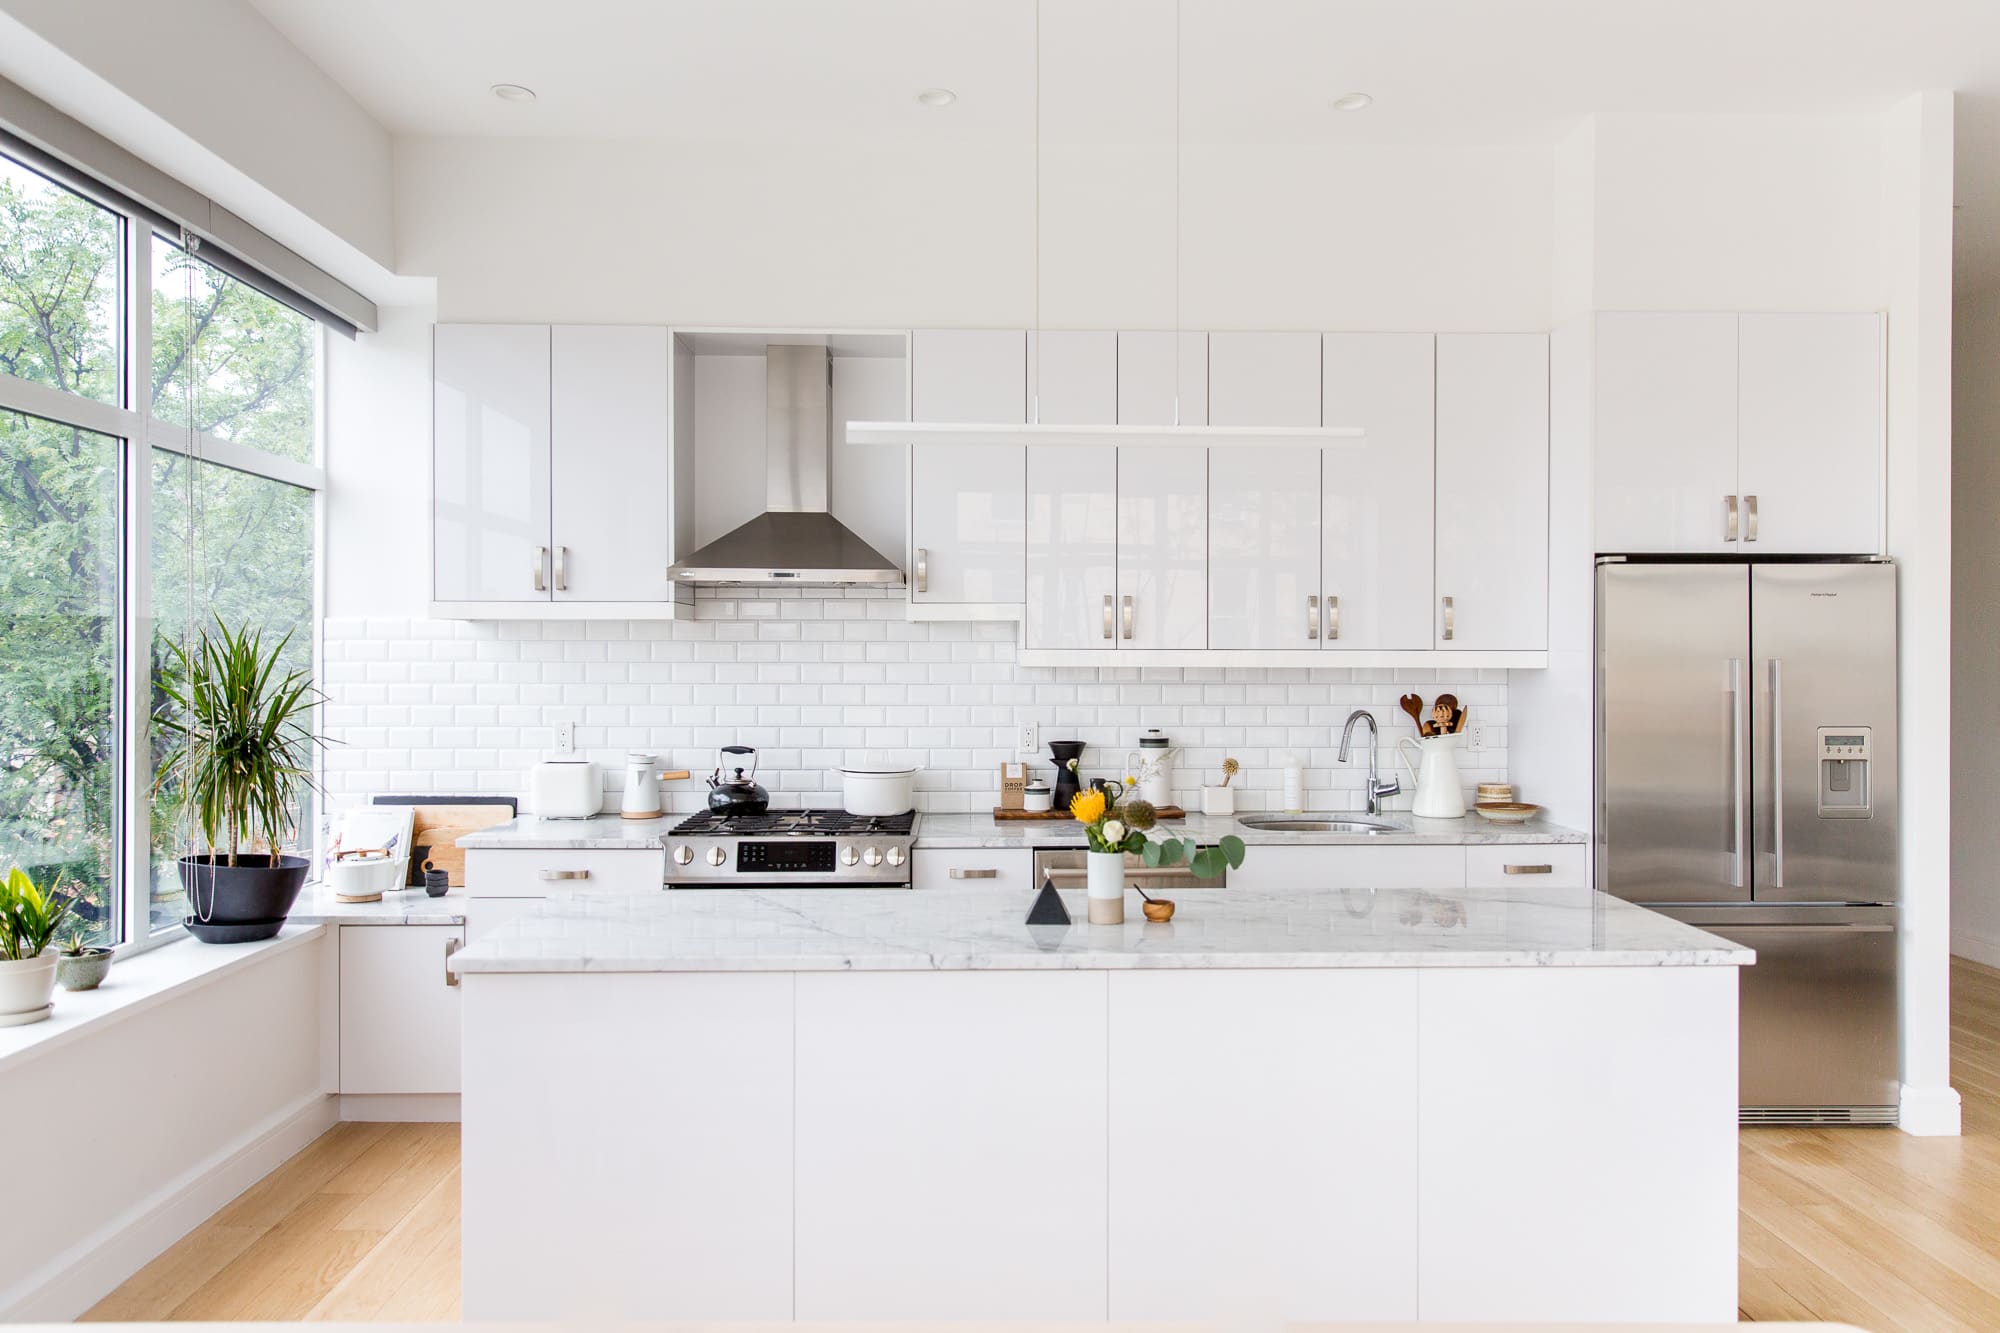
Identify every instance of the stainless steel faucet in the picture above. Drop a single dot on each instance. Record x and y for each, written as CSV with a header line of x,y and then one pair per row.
x,y
1377,789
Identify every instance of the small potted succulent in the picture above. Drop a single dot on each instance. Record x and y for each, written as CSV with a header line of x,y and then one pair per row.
x,y
82,965
30,916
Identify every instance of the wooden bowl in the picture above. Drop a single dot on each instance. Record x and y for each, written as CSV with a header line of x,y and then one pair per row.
x,y
1507,812
1158,909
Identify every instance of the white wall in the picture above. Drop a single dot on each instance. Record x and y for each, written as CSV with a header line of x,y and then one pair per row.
x,y
1975,640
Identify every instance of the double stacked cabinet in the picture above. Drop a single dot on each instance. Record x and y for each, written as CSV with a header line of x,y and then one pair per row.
x,y
1739,434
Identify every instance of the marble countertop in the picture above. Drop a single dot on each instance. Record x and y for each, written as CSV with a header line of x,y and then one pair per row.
x,y
400,907
610,832
969,929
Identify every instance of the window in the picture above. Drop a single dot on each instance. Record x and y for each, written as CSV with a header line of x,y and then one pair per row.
x,y
94,448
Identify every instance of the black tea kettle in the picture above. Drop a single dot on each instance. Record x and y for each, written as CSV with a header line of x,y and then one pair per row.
x,y
732,789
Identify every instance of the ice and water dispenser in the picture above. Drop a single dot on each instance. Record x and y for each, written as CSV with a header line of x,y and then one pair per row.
x,y
1843,772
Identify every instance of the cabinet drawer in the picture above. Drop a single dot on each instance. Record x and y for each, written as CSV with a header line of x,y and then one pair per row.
x,y
1348,866
987,867
539,872
1547,865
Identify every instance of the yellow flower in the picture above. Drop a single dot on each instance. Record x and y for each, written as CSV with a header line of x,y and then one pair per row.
x,y
1131,781
1087,806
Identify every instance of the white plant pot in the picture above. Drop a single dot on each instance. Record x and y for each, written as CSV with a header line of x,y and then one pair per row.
x,y
26,986
1106,887
1218,800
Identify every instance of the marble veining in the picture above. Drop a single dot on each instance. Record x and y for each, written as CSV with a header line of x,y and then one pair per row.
x,y
399,907
982,928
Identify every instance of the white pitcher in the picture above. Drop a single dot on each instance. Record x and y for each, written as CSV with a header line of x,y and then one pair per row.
x,y
1435,776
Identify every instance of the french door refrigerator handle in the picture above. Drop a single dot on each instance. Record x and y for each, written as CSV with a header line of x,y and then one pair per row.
x,y
1739,759
1777,670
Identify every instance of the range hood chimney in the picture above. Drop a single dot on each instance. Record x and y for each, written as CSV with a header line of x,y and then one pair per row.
x,y
795,539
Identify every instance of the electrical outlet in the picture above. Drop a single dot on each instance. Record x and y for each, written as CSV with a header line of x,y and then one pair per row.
x,y
1475,738
1029,741
566,736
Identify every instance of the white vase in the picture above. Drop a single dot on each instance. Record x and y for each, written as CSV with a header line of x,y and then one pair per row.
x,y
1438,794
1106,887
26,986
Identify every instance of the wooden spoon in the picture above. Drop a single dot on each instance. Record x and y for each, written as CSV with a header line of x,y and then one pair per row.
x,y
1445,709
1414,706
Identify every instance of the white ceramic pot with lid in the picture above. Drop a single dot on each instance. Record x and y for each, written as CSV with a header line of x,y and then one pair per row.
x,y
878,789
1153,765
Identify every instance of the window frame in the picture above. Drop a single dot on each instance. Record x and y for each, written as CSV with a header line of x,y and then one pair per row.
x,y
130,422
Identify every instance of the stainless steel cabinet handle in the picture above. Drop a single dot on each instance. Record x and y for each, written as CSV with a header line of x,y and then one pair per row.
x,y
541,563
1738,779
1128,617
923,570
963,872
553,875
1107,615
1543,869
1749,518
1312,616
451,947
1450,619
1729,518
1777,670
562,560
1332,617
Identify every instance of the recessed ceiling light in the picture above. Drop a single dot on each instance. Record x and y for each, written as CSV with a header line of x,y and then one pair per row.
x,y
512,92
937,97
1352,101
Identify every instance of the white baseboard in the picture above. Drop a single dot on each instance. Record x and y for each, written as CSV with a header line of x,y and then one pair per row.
x,y
1979,948
91,1269
1929,1112
401,1107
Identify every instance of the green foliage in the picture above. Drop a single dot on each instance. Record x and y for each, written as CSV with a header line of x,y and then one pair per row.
x,y
30,916
1207,862
240,743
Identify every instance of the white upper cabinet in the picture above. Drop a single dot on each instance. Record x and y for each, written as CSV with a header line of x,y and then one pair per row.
x,y
1376,507
1073,378
1492,491
490,463
1155,369
968,503
1162,547
1666,432
1263,379
1809,466
610,468
1072,558
1263,548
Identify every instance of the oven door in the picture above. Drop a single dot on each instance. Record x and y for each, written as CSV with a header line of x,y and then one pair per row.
x,y
1067,869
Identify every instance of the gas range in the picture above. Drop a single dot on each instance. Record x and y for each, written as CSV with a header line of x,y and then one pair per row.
x,y
791,849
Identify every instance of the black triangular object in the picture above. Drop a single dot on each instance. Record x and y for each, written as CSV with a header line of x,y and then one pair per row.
x,y
1048,909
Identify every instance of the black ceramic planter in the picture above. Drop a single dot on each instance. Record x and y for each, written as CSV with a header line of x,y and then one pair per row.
x,y
247,901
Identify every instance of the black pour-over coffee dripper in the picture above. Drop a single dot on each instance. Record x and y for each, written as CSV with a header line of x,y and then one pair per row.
x,y
1065,754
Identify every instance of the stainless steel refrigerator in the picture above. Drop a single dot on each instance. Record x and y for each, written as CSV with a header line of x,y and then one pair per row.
x,y
1746,784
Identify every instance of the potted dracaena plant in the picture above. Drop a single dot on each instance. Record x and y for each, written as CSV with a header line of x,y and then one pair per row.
x,y
30,916
240,754
1116,828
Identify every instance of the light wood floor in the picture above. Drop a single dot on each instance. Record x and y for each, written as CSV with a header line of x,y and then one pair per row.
x,y
1867,1226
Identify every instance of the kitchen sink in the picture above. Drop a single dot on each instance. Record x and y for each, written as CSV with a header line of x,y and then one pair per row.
x,y
1318,824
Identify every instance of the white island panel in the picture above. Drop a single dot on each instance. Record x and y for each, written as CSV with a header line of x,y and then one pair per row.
x,y
1263,1157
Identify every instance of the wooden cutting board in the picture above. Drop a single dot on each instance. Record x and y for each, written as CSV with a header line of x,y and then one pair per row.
x,y
441,822
1010,816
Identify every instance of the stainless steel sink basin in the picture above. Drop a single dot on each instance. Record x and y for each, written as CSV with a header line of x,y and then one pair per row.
x,y
1318,824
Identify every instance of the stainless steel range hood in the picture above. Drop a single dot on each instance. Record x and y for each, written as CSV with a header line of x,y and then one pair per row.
x,y
795,539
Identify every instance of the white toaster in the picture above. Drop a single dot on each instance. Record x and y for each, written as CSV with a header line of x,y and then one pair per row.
x,y
565,789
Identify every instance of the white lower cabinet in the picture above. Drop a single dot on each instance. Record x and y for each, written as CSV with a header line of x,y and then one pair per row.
x,y
1235,1100
896,1074
1007,868
399,1012
1350,866
1528,866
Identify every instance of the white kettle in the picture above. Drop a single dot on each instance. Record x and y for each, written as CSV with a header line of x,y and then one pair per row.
x,y
642,786
1435,776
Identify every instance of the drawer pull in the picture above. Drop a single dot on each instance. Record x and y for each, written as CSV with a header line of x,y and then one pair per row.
x,y
552,875
451,947
1543,869
962,872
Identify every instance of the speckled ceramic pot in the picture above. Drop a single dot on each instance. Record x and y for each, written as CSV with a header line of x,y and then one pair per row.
x,y
83,971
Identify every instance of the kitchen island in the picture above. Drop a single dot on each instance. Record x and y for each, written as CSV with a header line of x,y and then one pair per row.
x,y
1312,1105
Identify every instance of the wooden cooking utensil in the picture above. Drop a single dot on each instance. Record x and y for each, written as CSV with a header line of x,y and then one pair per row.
x,y
1414,706
1445,709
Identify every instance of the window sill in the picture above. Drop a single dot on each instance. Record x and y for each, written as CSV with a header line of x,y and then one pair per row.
x,y
138,983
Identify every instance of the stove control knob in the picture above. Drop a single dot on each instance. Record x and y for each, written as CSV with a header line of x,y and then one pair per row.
x,y
896,857
717,855
873,856
848,856
683,854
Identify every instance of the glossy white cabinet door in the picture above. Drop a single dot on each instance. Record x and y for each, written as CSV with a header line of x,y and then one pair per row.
x,y
610,477
1492,491
968,505
1162,547
1263,379
1665,432
1073,378
1072,560
1810,436
1375,515
399,1017
950,1136
1154,369
490,462
1263,547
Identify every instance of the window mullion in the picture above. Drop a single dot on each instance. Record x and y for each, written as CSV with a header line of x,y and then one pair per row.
x,y
135,648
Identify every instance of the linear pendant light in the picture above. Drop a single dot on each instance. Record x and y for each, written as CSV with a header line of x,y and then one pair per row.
x,y
932,433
